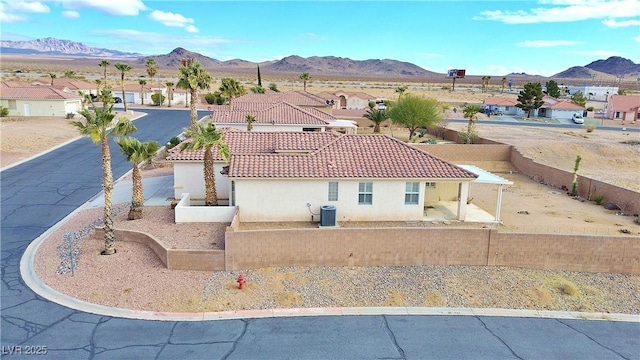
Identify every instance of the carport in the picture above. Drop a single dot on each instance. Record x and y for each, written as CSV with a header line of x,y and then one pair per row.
x,y
485,177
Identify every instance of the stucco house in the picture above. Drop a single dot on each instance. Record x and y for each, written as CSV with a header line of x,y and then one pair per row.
x,y
29,100
357,100
289,176
279,116
505,106
299,98
593,92
559,109
623,107
69,84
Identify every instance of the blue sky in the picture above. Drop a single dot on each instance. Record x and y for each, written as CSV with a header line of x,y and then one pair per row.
x,y
540,37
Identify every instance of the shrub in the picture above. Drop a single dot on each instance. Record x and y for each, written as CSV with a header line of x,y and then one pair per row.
x,y
566,287
173,142
258,89
4,111
590,108
274,87
210,98
70,115
597,198
158,99
637,220
465,134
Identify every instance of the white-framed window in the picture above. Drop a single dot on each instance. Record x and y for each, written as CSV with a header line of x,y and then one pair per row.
x,y
12,105
412,193
430,185
333,191
365,193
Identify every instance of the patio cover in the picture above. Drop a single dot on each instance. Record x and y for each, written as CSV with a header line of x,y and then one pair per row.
x,y
485,177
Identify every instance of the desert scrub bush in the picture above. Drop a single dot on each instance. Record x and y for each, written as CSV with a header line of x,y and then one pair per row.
x,y
173,142
597,198
566,287
4,111
158,99
637,220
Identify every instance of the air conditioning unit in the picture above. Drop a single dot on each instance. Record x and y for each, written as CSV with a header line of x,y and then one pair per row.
x,y
328,215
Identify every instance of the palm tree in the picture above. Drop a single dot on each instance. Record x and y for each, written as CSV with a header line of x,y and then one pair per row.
x,y
250,120
192,78
98,125
206,136
169,85
70,74
470,112
377,116
230,89
504,82
152,68
52,76
137,152
98,82
142,84
124,68
305,77
104,64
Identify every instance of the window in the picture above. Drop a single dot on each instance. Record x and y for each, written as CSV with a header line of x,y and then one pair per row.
x,y
333,191
430,185
365,193
12,105
412,193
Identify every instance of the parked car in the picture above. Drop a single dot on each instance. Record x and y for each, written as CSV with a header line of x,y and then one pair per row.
x,y
117,99
578,119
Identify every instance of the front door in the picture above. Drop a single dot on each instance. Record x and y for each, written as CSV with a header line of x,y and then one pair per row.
x,y
27,109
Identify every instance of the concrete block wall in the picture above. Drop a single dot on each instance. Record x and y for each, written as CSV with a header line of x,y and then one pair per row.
x,y
433,246
474,152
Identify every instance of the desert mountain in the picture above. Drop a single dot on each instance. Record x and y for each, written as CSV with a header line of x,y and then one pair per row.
x,y
614,66
173,59
52,46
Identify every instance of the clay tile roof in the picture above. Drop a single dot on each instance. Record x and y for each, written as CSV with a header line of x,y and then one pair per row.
x,y
252,143
350,156
295,97
625,102
281,113
553,103
35,93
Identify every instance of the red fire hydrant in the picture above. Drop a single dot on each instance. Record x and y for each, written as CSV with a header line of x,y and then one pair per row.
x,y
241,281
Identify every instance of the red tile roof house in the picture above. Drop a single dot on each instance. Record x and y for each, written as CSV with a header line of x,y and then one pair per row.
x,y
503,105
559,109
623,107
28,100
298,98
69,85
288,176
347,99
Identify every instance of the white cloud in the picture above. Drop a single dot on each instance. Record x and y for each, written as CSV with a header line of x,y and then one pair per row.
x,y
70,14
546,43
616,24
28,6
173,20
637,38
9,18
112,7
565,11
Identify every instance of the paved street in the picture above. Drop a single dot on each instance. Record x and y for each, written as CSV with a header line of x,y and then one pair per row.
x,y
38,194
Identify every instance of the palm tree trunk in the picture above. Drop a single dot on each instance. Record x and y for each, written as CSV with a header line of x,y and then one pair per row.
x,y
107,186
169,98
137,201
376,128
211,197
124,101
194,110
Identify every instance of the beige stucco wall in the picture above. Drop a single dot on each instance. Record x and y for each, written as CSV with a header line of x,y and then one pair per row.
x,y
188,177
42,107
285,200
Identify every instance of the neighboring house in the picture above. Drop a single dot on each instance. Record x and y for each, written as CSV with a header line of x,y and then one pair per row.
x,y
280,116
356,100
38,100
559,109
592,92
295,97
68,84
505,106
623,107
289,176
134,93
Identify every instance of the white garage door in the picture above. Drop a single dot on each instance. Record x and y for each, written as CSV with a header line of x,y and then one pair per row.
x,y
70,107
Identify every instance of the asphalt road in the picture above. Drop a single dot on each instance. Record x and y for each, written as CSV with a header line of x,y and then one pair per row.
x,y
37,194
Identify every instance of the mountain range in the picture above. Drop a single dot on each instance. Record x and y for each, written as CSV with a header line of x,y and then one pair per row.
x,y
327,65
